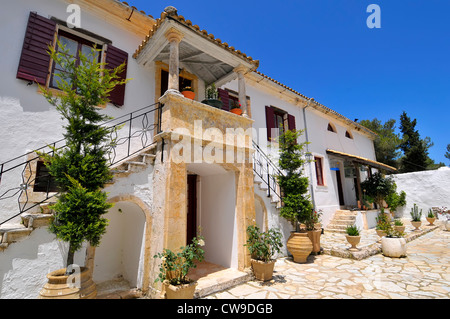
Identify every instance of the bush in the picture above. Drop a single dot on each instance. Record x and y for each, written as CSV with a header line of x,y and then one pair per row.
x,y
379,187
263,245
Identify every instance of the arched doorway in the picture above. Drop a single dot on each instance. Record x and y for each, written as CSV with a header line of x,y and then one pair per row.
x,y
121,253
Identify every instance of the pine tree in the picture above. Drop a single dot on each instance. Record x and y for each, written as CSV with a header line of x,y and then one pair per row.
x,y
80,168
415,150
387,143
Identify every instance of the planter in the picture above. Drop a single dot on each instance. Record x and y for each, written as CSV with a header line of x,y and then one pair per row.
x,y
354,241
214,103
236,111
314,236
380,232
393,247
57,286
400,228
447,225
431,220
188,94
416,224
300,246
180,291
263,270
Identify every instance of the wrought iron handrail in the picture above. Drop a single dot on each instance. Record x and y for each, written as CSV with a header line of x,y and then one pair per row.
x,y
21,172
267,171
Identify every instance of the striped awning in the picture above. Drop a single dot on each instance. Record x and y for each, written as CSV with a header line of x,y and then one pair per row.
x,y
362,160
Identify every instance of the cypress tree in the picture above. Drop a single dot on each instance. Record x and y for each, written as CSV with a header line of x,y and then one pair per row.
x,y
80,168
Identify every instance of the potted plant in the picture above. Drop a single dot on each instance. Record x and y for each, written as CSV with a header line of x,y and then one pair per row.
x,y
398,225
378,187
174,269
416,216
80,169
262,247
393,244
212,97
431,217
353,236
395,200
382,224
188,92
236,107
297,207
445,215
314,232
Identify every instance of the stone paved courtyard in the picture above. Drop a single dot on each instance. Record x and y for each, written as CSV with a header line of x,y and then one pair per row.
x,y
424,274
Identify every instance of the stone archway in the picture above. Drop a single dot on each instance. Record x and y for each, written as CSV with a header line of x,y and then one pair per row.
x,y
125,248
261,217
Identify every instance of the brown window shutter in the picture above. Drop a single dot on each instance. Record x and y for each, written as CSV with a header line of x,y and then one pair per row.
x,y
270,121
34,60
291,122
114,58
223,95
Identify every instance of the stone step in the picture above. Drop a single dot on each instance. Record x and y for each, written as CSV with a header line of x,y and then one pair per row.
x,y
11,233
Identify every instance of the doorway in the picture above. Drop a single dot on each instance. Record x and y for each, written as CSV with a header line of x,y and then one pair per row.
x,y
339,187
191,218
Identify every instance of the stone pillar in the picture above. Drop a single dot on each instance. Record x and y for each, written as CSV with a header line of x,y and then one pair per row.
x,y
174,37
240,70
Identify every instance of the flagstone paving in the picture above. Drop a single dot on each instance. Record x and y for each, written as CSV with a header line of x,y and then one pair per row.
x,y
424,274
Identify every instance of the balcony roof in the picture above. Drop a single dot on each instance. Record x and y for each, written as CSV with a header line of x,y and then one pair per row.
x,y
199,52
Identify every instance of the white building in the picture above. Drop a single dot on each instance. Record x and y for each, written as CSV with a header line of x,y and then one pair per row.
x,y
164,203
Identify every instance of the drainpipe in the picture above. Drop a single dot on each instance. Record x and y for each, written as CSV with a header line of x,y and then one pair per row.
x,y
307,151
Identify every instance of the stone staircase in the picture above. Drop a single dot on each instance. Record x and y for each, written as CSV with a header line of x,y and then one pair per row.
x,y
16,231
274,199
341,219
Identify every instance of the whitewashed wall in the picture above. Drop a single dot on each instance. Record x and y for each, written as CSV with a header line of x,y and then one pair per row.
x,y
426,189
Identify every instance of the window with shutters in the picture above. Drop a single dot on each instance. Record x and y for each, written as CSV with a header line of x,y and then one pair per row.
x,y
319,170
36,66
278,122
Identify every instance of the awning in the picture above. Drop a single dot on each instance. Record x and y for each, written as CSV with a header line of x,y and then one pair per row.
x,y
362,160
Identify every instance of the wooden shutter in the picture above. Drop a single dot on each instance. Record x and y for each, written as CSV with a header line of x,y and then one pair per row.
x,y
114,58
34,60
270,121
291,122
223,95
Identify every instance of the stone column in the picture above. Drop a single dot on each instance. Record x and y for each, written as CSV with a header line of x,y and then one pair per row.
x,y
241,70
174,37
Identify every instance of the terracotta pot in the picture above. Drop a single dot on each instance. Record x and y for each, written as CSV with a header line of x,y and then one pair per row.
x,y
393,247
180,291
431,220
354,241
263,270
400,228
57,286
314,236
416,224
300,246
236,111
188,94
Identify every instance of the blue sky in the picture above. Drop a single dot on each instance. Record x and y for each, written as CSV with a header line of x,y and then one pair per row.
x,y
324,49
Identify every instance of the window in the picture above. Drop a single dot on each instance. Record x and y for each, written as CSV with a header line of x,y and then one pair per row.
x,y
35,64
331,128
44,182
348,135
278,121
319,170
75,47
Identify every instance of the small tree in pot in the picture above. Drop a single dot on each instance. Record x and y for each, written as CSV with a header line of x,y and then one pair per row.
x,y
379,188
297,207
80,168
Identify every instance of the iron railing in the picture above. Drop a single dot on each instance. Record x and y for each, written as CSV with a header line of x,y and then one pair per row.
x,y
267,171
129,134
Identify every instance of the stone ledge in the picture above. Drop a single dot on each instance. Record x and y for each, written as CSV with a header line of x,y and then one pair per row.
x,y
375,248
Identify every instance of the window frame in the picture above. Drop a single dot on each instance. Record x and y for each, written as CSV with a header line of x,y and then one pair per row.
x,y
318,165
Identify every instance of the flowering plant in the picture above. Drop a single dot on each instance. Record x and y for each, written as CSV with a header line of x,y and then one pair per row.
x,y
263,245
444,212
188,88
174,267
